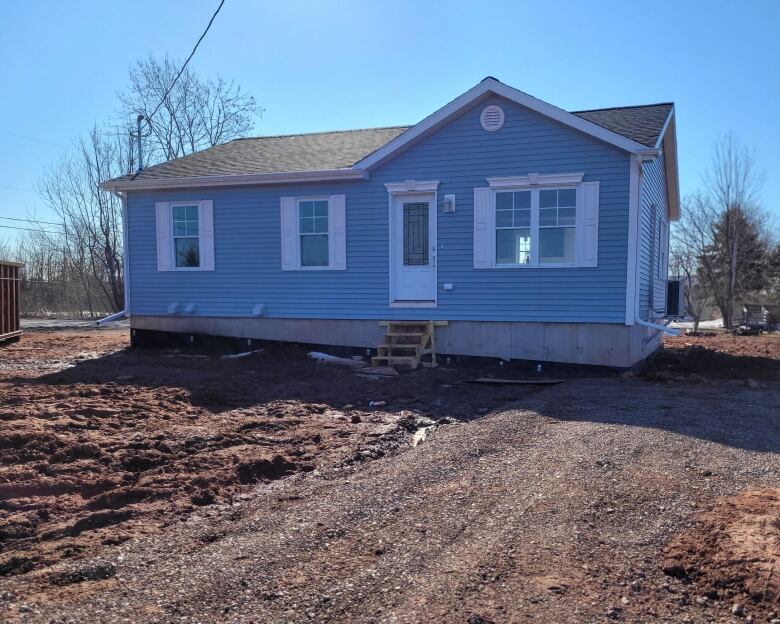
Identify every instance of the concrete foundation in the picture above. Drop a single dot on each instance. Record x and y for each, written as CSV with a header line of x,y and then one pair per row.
x,y
614,345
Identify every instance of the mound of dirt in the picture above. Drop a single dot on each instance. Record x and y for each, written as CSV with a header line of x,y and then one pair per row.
x,y
732,553
720,356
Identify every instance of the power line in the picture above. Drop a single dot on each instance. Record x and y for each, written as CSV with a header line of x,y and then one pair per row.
x,y
31,220
16,188
13,227
149,117
27,138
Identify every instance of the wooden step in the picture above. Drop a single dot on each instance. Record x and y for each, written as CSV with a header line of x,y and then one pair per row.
x,y
404,344
395,349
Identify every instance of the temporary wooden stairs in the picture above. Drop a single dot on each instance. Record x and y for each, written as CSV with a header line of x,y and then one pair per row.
x,y
406,343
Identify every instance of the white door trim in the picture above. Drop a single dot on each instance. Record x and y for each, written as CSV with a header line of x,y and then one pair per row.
x,y
413,188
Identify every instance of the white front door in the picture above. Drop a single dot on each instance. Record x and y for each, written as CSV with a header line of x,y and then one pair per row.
x,y
413,248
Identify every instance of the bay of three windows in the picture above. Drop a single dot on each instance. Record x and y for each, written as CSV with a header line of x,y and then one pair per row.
x,y
517,237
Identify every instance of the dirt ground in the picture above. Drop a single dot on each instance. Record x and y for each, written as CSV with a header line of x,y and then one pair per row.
x,y
158,486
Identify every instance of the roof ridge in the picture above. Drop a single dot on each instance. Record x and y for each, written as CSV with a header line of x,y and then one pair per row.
x,y
286,136
594,110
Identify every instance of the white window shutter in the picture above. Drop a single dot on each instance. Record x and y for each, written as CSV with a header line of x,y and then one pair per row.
x,y
482,230
289,220
337,233
206,229
588,225
164,237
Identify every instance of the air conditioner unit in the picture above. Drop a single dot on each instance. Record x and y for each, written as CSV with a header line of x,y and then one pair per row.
x,y
675,298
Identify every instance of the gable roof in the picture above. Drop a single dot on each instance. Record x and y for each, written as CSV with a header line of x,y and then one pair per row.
x,y
350,154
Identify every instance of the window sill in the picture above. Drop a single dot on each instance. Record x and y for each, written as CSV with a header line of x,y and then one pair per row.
x,y
537,266
413,304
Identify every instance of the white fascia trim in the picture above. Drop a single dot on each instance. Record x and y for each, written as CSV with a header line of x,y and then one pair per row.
x,y
632,248
491,85
659,143
412,186
672,168
324,175
535,179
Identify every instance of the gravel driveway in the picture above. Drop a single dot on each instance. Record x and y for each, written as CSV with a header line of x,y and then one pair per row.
x,y
554,509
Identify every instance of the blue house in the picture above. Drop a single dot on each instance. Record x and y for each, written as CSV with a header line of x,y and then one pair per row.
x,y
509,227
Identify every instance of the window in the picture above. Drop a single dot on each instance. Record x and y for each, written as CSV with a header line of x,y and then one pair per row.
x,y
536,220
557,223
313,232
535,227
660,246
513,227
186,236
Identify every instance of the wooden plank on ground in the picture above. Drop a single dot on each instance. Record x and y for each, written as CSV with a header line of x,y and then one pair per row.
x,y
519,382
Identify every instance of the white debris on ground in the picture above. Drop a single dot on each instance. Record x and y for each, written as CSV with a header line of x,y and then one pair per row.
x,y
333,359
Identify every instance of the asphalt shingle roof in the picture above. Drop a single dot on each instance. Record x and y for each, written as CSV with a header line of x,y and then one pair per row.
x,y
341,149
642,124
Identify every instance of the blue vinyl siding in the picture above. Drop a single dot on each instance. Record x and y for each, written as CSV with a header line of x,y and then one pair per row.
x,y
654,203
460,155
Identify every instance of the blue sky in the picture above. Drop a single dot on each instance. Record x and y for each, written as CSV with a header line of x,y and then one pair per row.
x,y
337,65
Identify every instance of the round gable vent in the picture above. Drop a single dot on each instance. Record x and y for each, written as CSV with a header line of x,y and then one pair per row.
x,y
492,118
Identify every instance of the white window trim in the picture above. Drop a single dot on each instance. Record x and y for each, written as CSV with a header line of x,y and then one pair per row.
x,y
661,244
298,200
173,237
412,186
533,182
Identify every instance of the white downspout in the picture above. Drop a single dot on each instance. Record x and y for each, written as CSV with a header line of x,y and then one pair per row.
x,y
669,330
126,268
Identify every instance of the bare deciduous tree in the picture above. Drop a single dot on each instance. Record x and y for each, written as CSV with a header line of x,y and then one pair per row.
x,y
194,113
92,218
83,263
689,238
720,247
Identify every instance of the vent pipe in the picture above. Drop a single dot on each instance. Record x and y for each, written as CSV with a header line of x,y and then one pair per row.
x,y
138,136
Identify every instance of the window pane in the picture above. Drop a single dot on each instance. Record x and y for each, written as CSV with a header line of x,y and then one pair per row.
x,y
503,218
523,218
548,199
567,216
321,225
192,213
556,245
416,242
503,201
548,216
306,209
567,197
314,250
522,199
179,213
321,208
187,252
307,225
179,228
513,246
